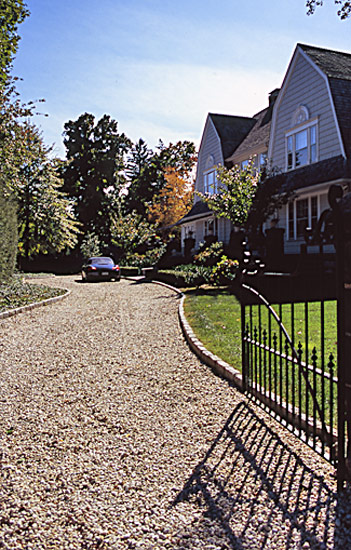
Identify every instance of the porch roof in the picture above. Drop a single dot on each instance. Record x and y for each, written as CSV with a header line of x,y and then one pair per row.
x,y
198,211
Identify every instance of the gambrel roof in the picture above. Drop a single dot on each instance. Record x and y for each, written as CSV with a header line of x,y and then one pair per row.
x,y
336,66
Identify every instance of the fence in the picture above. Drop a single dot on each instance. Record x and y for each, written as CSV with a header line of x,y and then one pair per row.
x,y
306,381
294,377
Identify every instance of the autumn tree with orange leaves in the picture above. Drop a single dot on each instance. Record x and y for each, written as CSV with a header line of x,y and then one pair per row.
x,y
173,201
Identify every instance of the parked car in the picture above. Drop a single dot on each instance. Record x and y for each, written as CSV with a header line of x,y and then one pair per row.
x,y
100,268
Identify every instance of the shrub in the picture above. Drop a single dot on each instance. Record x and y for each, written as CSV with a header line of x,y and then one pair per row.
x,y
224,272
8,236
186,275
210,255
148,259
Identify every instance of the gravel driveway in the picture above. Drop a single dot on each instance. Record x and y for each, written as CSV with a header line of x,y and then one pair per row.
x,y
115,436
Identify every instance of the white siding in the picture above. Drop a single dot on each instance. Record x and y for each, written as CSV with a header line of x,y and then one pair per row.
x,y
210,145
307,87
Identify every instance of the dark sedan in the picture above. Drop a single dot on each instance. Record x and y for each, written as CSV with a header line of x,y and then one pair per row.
x,y
100,269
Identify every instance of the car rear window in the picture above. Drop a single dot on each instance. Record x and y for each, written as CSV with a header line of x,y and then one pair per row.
x,y
101,261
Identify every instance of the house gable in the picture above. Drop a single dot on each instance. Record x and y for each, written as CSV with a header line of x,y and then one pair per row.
x,y
305,88
210,151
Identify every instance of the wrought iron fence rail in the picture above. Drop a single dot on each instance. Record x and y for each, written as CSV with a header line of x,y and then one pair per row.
x,y
315,436
289,358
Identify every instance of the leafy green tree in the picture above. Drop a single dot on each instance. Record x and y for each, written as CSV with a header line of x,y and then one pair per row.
x,y
12,14
149,171
140,172
45,221
344,12
94,175
137,240
238,188
132,232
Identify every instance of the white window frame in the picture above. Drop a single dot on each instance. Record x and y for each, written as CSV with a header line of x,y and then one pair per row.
x,y
210,189
292,134
309,198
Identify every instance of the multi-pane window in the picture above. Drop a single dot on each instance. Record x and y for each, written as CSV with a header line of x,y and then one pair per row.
x,y
301,147
302,213
210,182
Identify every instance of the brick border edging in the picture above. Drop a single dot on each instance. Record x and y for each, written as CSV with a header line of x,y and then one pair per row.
x,y
216,363
28,307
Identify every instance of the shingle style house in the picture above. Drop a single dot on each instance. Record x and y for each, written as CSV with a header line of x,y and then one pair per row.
x,y
310,136
305,135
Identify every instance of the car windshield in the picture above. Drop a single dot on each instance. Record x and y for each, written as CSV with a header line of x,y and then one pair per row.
x,y
101,261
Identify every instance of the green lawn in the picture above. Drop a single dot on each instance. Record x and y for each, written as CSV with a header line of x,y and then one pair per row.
x,y
215,317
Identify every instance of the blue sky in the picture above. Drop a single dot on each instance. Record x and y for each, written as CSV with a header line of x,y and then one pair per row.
x,y
159,66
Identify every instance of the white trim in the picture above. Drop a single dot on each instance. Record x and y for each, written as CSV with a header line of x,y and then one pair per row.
x,y
301,109
302,126
320,187
196,217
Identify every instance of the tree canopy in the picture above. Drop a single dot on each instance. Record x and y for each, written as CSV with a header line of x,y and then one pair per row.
x,y
237,190
94,174
12,13
147,170
173,201
343,12
45,221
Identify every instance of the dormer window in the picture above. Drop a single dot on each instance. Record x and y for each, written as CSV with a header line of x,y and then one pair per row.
x,y
301,146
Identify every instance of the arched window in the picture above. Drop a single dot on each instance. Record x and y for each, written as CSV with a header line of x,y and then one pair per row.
x,y
302,139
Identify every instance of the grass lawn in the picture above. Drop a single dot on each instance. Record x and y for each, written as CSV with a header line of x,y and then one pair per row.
x,y
215,317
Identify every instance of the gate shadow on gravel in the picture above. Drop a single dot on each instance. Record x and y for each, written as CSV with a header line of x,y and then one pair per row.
x,y
254,492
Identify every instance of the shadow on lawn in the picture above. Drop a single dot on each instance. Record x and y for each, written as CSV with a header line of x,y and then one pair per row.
x,y
254,492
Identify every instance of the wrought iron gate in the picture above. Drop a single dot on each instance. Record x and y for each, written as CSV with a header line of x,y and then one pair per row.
x,y
308,389
297,383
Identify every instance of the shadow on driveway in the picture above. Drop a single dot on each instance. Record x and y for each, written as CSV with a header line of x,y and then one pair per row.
x,y
252,491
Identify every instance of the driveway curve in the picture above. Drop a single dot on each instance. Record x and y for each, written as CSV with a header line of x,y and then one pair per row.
x,y
115,436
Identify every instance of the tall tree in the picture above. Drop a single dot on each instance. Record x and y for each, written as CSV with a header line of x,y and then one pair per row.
x,y
148,182
94,175
45,221
173,201
8,235
140,172
344,12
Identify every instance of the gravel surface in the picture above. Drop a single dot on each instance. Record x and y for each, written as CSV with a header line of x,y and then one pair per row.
x,y
115,436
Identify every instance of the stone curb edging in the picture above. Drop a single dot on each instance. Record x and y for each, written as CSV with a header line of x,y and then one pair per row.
x,y
17,310
216,363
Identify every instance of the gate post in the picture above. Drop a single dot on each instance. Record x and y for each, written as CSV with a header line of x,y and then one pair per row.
x,y
341,207
243,347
